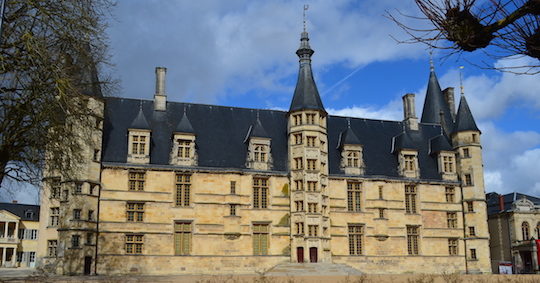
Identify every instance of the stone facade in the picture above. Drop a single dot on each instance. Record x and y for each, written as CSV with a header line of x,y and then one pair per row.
x,y
237,194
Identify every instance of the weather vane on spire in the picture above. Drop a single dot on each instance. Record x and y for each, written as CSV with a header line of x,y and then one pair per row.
x,y
461,80
431,67
304,15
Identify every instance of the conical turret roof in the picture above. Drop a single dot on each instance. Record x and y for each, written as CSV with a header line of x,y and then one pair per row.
x,y
306,96
184,126
435,104
140,121
464,118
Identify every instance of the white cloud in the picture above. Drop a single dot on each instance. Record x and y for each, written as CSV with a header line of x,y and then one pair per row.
x,y
390,111
217,48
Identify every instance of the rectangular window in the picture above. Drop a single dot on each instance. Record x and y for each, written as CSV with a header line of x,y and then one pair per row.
x,y
55,216
451,219
55,188
134,243
472,231
89,237
66,195
52,248
232,209
353,196
410,199
468,180
260,193
313,230
298,164
182,238
410,164
138,145
452,246
473,254
90,215
353,159
233,187
311,118
136,181
33,234
312,164
466,153
312,207
32,257
78,188
381,213
184,148
299,185
356,233
450,194
297,138
448,164
259,153
300,228
312,186
470,206
299,205
135,211
21,233
75,241
76,214
412,240
380,192
260,239
183,189
297,119
311,141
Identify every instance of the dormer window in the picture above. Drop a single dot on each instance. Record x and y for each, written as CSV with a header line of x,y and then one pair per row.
x,y
408,163
260,153
259,157
351,152
353,158
183,149
139,146
447,165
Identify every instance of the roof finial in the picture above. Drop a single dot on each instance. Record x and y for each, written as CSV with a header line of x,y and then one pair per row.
x,y
461,80
257,114
348,122
140,105
431,67
304,16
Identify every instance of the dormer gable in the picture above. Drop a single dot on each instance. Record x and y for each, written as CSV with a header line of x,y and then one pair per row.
x,y
440,148
352,161
407,154
139,139
259,147
183,146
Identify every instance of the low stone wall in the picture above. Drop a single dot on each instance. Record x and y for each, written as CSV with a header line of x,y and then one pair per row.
x,y
404,264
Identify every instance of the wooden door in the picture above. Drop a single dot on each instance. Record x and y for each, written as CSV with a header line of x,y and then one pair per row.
x,y
300,254
313,254
87,265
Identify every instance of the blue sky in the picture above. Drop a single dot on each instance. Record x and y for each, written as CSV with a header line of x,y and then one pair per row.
x,y
242,53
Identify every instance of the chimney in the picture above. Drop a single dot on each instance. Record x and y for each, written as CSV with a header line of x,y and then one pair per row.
x,y
160,98
409,113
14,201
501,202
449,97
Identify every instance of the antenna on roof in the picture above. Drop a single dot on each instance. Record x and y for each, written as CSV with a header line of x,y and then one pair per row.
x,y
461,80
304,16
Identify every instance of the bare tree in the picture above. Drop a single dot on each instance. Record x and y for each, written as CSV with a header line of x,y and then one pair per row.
x,y
50,55
501,28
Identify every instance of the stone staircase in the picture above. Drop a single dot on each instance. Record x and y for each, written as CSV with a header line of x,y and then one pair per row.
x,y
311,269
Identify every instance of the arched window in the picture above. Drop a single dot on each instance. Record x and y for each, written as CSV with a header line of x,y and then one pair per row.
x,y
525,230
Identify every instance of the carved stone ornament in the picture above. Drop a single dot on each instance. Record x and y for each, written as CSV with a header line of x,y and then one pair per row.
x,y
232,236
381,237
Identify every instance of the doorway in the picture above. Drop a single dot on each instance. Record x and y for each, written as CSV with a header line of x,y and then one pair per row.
x,y
87,265
313,254
300,254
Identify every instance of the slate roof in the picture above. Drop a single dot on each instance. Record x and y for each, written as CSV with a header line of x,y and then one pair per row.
x,y
464,118
140,121
435,103
493,205
439,143
221,132
21,209
184,126
306,96
348,137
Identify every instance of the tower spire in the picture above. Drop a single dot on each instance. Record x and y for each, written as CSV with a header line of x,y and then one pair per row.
x,y
306,96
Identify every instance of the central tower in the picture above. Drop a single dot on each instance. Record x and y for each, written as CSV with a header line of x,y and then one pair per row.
x,y
308,162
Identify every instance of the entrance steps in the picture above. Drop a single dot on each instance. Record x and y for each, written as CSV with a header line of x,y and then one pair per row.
x,y
312,269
